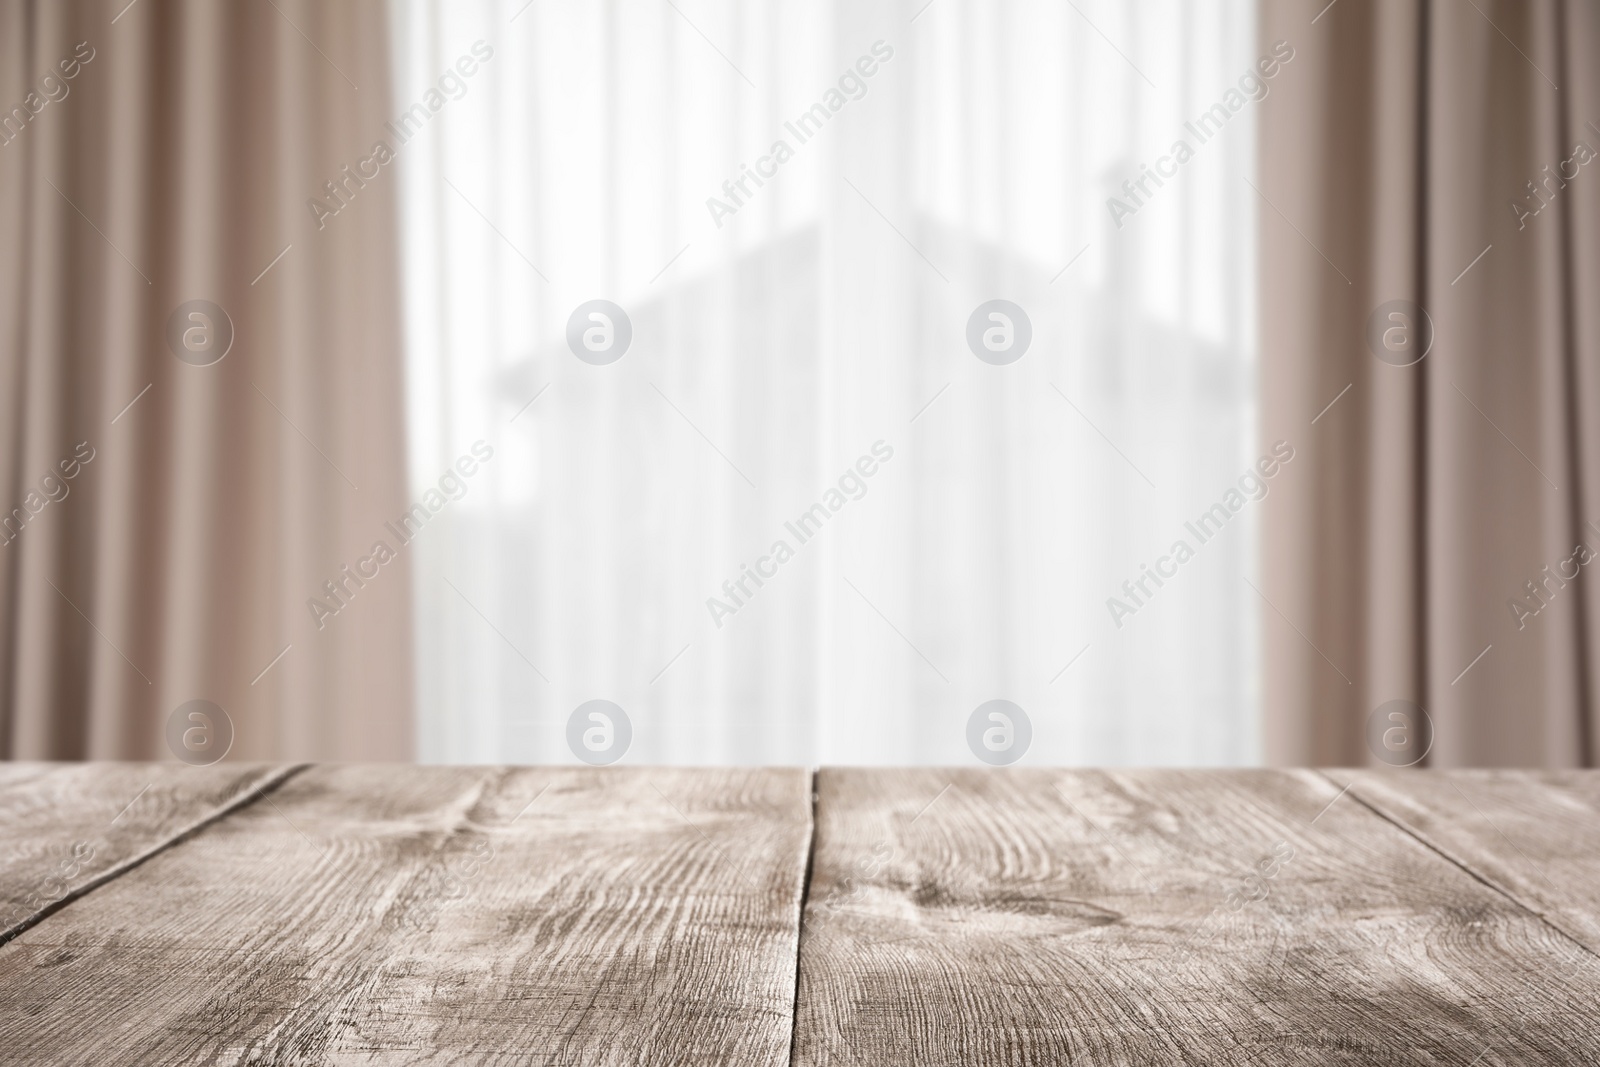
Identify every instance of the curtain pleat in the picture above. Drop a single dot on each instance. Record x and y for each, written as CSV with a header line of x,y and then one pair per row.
x,y
210,500
1434,547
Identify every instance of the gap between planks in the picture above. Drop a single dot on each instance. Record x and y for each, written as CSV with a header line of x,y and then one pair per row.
x,y
272,781
1445,854
800,921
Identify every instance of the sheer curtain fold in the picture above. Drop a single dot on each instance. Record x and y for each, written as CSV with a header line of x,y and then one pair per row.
x,y
211,496
1434,547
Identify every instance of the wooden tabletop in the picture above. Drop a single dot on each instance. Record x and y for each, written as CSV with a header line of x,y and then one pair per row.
x,y
248,914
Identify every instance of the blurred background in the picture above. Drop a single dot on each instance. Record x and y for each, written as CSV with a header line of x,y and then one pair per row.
x,y
748,381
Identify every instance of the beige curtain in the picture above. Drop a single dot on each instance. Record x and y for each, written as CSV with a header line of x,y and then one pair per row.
x,y
169,518
1433,542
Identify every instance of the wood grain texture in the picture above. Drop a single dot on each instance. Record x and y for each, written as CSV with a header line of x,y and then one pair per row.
x,y
1019,917
431,915
64,827
1532,835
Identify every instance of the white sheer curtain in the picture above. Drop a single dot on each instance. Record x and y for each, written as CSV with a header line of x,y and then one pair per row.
x,y
827,313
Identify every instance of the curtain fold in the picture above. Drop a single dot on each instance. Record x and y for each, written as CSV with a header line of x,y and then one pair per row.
x,y
200,379
1436,161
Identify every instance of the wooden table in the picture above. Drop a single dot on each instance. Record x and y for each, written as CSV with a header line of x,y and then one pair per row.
x,y
248,914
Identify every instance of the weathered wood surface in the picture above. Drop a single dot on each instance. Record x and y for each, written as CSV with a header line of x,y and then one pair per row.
x,y
429,915
1165,917
372,915
1532,835
65,827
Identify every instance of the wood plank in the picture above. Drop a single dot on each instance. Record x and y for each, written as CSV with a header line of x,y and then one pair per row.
x,y
435,915
66,827
1533,835
1027,917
